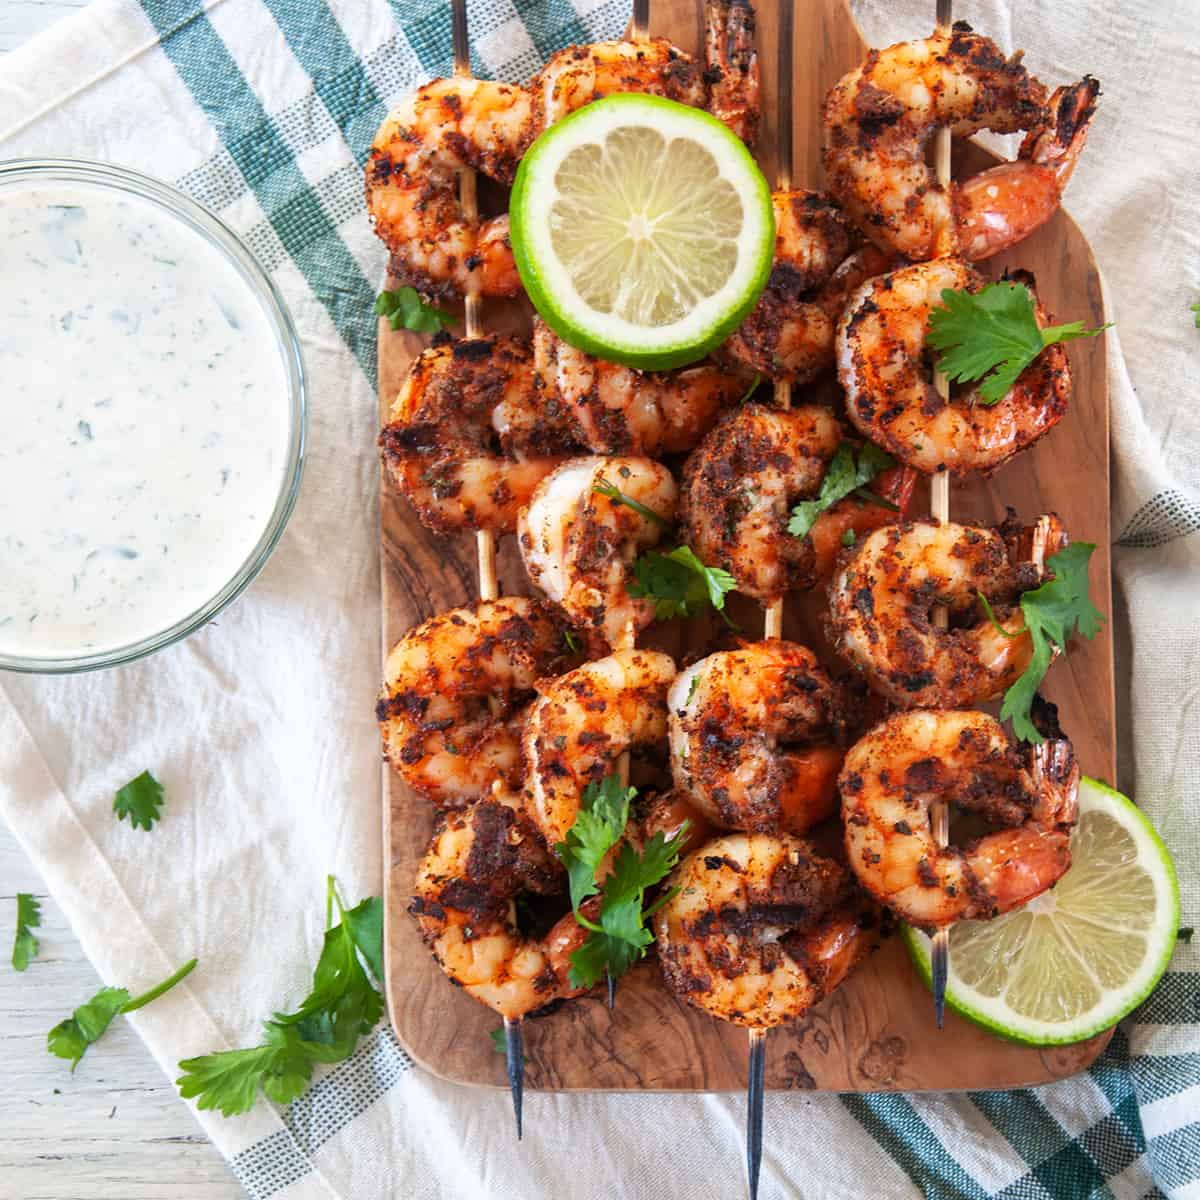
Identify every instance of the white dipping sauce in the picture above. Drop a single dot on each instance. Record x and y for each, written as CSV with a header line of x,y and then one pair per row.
x,y
144,406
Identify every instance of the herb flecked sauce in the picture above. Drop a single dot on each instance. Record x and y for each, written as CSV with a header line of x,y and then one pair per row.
x,y
144,416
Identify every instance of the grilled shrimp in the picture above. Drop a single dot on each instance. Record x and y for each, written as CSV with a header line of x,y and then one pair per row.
x,y
433,710
579,546
891,398
582,723
411,179
464,902
467,442
620,410
880,117
881,599
753,737
893,775
761,929
789,332
726,83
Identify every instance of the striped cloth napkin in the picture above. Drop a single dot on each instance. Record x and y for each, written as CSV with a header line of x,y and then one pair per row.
x,y
260,725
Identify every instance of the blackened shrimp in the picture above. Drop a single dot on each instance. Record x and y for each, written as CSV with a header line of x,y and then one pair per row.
x,y
582,723
789,332
464,902
740,484
620,410
412,175
440,679
880,117
890,395
880,613
726,83
468,439
579,545
895,773
754,737
761,929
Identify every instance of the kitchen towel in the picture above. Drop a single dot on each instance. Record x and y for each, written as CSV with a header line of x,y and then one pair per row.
x,y
260,726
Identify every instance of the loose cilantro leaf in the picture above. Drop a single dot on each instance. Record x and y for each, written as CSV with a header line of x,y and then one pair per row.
x,y
29,917
680,584
620,937
71,1038
849,537
404,309
1053,611
342,1006
1196,311
993,335
847,473
140,800
599,825
610,491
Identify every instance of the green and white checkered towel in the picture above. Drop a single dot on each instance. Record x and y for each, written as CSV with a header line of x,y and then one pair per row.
x,y
263,110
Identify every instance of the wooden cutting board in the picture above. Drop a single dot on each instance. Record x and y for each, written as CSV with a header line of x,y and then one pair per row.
x,y
877,1032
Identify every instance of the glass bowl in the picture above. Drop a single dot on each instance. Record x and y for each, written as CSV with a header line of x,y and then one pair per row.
x,y
173,206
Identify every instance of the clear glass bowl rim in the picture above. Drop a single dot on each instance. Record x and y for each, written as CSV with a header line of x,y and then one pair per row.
x,y
224,240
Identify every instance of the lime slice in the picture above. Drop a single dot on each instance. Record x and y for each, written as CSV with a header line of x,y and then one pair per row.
x,y
642,230
1078,958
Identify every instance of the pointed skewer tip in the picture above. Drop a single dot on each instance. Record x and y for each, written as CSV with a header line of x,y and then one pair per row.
x,y
612,992
754,1108
940,969
514,1057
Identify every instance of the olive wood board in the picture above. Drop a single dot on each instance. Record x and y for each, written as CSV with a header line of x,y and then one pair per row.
x,y
877,1031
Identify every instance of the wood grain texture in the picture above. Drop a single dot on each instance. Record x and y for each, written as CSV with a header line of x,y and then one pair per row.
x,y
877,1031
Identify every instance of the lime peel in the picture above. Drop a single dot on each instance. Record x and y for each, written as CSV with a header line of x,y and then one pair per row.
x,y
642,229
1059,950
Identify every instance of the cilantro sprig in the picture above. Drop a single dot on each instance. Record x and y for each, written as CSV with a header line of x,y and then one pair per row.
x,y
848,473
610,491
1052,612
342,1005
404,309
680,584
140,800
70,1038
993,335
29,917
618,937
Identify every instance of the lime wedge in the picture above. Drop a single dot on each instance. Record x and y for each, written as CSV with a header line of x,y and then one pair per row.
x,y
642,230
1078,958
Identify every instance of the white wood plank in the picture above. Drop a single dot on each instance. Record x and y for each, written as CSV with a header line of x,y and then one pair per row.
x,y
116,1129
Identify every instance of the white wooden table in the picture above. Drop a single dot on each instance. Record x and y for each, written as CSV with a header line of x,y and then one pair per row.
x,y
116,1129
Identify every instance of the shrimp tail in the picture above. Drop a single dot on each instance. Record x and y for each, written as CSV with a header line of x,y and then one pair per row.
x,y
1057,142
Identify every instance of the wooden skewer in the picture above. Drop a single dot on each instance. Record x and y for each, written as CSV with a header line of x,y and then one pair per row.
x,y
485,543
939,506
773,616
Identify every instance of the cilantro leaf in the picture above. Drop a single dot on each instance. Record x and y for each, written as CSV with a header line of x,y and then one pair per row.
x,y
342,1005
993,335
572,643
1196,317
1052,612
847,473
620,937
29,917
611,492
71,1038
140,800
599,825
680,584
404,309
